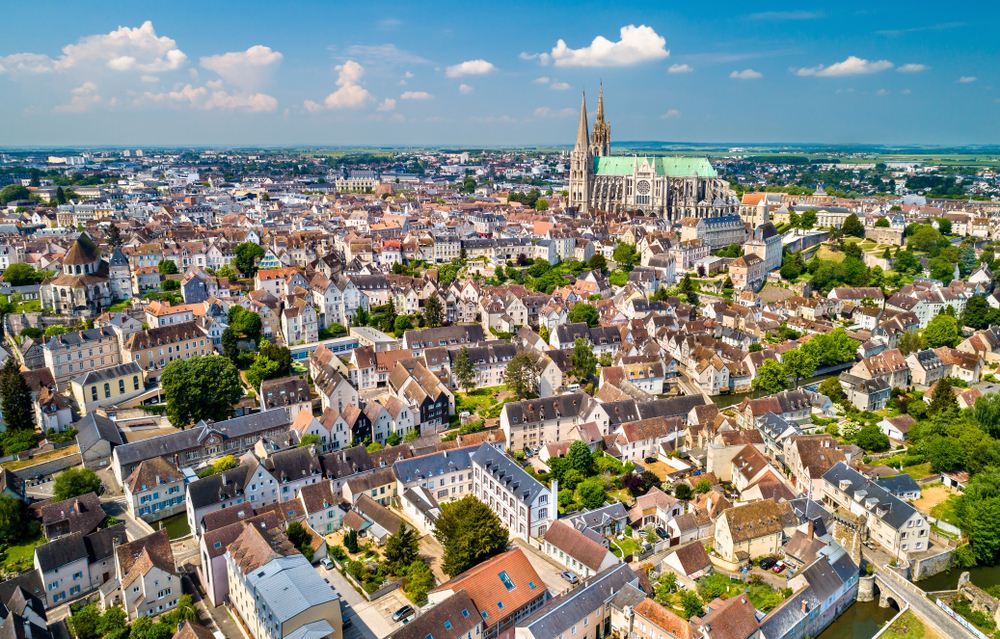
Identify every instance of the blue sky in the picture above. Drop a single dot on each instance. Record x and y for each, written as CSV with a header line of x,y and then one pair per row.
x,y
469,73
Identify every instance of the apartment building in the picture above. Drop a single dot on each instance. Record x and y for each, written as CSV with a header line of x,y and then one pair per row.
x,y
107,386
523,504
72,354
154,490
531,423
152,350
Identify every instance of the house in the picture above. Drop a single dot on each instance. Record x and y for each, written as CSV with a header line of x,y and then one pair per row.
x,y
276,592
97,436
523,504
898,427
891,522
888,366
154,490
290,393
865,394
82,514
505,589
77,564
107,386
902,486
593,607
532,422
650,620
147,581
577,551
153,349
752,530
637,440
453,618
926,368
690,562
373,520
323,513
222,528
655,508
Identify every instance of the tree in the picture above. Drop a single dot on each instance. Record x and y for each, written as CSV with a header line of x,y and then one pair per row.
x,y
925,238
941,269
470,533
581,458
583,363
583,312
21,274
351,541
85,622
598,263
311,439
15,398
691,603
626,256
463,369
987,413
872,439
772,377
910,342
592,493
298,535
433,311
247,325
978,510
521,375
799,364
245,257
943,400
882,223
683,491
542,204
830,349
401,549
831,388
114,236
167,267
942,331
202,387
808,219
419,581
853,226
906,262
977,313
13,521
967,261
74,482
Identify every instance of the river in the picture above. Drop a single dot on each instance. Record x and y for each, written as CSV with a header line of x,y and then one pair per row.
x,y
982,576
725,401
861,621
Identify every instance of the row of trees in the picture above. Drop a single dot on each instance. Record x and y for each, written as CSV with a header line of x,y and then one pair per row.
x,y
822,350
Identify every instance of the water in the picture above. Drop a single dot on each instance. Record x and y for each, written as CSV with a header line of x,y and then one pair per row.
x,y
861,621
725,401
176,525
982,576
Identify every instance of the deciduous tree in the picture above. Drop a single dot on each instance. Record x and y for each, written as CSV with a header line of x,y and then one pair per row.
x,y
203,387
469,532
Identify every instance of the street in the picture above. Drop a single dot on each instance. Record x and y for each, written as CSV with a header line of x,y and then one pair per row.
x,y
357,609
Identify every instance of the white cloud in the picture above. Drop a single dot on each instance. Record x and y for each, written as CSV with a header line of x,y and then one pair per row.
x,y
782,16
315,107
415,95
912,67
967,79
384,54
124,49
680,68
746,74
882,92
247,69
671,114
350,94
852,65
544,79
560,86
470,67
636,44
465,89
387,104
83,98
546,112
211,97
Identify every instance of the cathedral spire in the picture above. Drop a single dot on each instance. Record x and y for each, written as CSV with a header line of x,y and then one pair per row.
x,y
600,103
582,135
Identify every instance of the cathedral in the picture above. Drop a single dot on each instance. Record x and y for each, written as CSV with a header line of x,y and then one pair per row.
x,y
669,187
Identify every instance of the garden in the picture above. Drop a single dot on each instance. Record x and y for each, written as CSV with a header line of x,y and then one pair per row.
x,y
689,603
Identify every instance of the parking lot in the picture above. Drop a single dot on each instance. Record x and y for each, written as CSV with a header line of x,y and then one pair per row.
x,y
548,570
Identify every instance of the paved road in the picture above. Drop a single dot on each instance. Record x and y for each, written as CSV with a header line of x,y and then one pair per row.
x,y
355,605
115,506
547,569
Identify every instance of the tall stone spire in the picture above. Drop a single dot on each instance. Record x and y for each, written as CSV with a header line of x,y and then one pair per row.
x,y
582,135
600,142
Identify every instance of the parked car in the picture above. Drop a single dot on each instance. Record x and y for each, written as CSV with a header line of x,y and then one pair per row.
x,y
326,563
568,576
661,533
403,613
650,460
778,567
768,562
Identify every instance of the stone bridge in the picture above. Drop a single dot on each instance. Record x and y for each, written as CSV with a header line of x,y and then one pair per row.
x,y
894,590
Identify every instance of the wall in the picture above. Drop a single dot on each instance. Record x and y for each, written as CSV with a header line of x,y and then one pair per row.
x,y
927,566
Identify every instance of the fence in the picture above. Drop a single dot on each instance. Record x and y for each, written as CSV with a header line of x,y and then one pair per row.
x,y
961,620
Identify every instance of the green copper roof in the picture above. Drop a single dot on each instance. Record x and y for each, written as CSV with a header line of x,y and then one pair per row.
x,y
667,166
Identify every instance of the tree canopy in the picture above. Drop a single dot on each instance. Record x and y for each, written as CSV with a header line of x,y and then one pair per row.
x,y
74,482
584,312
245,257
202,387
470,533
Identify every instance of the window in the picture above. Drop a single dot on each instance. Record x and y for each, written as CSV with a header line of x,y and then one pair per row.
x,y
135,382
121,386
107,389
93,393
506,580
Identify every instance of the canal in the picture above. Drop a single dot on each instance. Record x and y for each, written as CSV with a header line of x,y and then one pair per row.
x,y
982,576
861,621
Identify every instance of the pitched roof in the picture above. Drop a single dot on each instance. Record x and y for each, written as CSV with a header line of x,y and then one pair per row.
x,y
500,586
577,545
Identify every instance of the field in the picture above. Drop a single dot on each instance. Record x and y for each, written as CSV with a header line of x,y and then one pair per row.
x,y
907,626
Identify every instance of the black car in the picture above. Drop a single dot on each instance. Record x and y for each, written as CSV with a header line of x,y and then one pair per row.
x,y
661,533
768,562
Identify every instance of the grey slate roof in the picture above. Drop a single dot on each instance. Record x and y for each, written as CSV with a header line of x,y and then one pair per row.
x,y
433,465
507,473
889,508
95,428
562,612
111,372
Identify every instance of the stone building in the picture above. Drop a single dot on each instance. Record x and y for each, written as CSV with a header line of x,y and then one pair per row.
x,y
83,287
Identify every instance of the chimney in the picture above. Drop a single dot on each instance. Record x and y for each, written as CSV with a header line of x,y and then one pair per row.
x,y
810,529
805,606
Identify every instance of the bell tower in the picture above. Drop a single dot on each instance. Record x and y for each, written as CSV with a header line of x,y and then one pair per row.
x,y
581,165
600,143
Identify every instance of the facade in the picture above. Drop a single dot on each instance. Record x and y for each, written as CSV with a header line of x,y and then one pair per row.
x,y
670,188
525,506
533,422
153,349
83,287
752,530
70,355
276,591
77,564
148,583
107,386
154,490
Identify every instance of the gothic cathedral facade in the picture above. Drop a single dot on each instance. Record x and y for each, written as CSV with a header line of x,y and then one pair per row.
x,y
669,187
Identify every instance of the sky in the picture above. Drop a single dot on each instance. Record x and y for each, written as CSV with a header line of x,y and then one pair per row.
x,y
254,73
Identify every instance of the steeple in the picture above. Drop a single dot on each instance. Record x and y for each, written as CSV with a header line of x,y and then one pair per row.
x,y
582,135
600,143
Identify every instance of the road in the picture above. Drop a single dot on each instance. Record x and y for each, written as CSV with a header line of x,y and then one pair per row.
x,y
115,506
361,624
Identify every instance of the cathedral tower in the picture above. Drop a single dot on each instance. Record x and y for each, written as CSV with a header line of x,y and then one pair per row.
x,y
581,165
600,142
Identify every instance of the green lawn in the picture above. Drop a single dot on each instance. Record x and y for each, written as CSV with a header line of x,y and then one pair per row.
x,y
919,471
625,547
762,596
906,626
945,511
19,558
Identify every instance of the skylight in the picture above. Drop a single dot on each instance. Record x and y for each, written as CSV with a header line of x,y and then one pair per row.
x,y
506,580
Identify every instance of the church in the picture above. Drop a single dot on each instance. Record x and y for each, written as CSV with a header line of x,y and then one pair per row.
x,y
671,188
